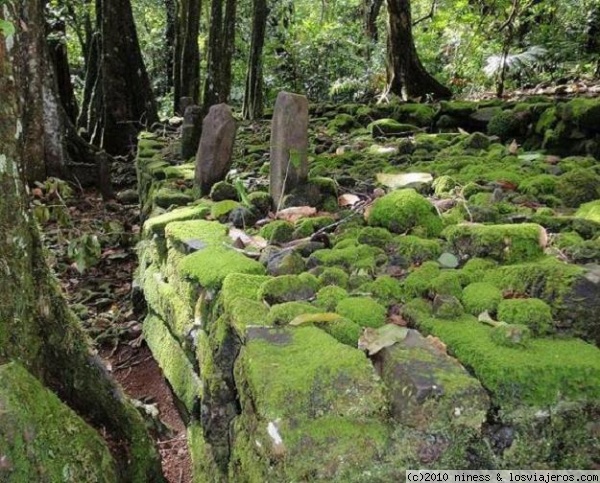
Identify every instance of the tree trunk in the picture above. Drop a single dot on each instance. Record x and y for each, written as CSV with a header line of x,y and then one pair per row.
x,y
171,10
121,97
37,329
253,95
371,13
187,54
221,43
406,75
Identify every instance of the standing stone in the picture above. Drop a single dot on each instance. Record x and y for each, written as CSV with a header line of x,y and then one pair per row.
x,y
190,131
213,159
289,145
184,103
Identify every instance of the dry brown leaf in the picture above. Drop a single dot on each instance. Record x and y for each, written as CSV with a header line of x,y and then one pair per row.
x,y
240,236
373,340
348,199
295,213
543,237
437,344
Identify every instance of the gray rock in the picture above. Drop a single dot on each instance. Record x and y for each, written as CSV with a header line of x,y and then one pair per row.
x,y
128,197
242,217
190,131
213,159
289,145
285,262
184,103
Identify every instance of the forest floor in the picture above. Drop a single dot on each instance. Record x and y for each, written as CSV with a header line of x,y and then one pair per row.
x,y
101,237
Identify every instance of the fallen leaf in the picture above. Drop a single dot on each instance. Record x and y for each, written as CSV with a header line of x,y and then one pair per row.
x,y
246,240
295,213
373,340
437,344
314,318
513,148
486,318
402,180
543,237
348,199
462,131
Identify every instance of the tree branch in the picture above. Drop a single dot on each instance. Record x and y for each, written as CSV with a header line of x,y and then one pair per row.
x,y
429,15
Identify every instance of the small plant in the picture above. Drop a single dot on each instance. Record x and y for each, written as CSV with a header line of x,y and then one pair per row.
x,y
514,63
85,251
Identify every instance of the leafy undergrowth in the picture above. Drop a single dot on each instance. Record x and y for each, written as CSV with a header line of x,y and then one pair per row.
x,y
91,249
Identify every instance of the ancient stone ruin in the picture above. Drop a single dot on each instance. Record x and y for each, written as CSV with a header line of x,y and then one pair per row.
x,y
289,145
191,129
213,159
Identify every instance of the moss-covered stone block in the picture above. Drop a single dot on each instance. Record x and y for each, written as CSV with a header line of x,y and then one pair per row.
x,y
479,297
419,280
391,127
167,197
220,210
417,250
42,439
578,186
278,231
405,210
289,288
303,372
334,276
532,313
175,364
428,389
448,282
386,289
283,314
209,266
589,211
352,257
375,236
307,226
364,311
193,235
418,114
476,268
182,172
342,123
156,225
504,243
546,372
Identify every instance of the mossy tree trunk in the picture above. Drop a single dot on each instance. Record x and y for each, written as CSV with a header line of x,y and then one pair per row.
x,y
37,328
406,75
221,43
253,95
186,63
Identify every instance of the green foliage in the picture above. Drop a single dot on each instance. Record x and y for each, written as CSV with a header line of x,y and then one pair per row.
x,y
85,251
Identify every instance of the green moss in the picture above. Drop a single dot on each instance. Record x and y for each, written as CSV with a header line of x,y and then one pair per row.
x,y
175,365
353,257
209,266
390,127
589,211
507,124
418,281
34,431
478,297
448,282
203,233
289,288
167,197
278,231
475,268
261,200
283,314
222,190
387,290
543,184
584,113
544,373
307,226
532,313
378,237
334,276
443,185
342,123
578,186
303,372
343,330
156,225
364,311
458,108
476,141
509,243
404,210
243,313
237,286
328,297
419,114
220,210
447,307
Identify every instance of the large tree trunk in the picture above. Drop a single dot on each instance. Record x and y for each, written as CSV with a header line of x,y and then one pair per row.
x,y
371,13
253,94
406,75
170,30
37,329
221,43
122,100
187,54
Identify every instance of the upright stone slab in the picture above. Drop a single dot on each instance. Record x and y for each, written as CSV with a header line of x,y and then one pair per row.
x,y
213,158
190,131
289,144
184,103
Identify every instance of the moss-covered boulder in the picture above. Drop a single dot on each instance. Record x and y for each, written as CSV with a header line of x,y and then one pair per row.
x,y
405,210
328,297
532,313
504,243
278,231
351,257
41,439
364,311
289,288
478,297
390,127
589,211
578,186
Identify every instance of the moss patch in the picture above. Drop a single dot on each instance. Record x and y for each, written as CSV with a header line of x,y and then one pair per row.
x,y
533,313
478,297
364,311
